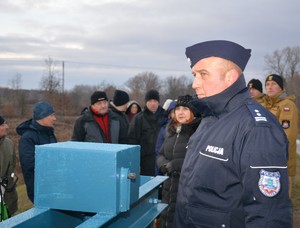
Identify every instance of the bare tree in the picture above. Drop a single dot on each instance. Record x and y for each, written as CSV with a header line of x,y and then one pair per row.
x,y
141,83
292,61
177,86
285,62
16,82
51,82
79,96
18,99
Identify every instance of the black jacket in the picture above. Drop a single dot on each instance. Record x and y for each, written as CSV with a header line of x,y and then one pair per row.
x,y
235,169
169,162
86,129
32,134
124,124
143,131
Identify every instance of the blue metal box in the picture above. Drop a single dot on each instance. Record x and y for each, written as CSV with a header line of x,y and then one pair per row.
x,y
88,177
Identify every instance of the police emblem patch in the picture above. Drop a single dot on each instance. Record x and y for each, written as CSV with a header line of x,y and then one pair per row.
x,y
285,124
269,183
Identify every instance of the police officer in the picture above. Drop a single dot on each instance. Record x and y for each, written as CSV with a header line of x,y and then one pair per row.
x,y
284,108
256,91
235,170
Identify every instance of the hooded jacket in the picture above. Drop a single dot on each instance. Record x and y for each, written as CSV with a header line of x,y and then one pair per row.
x,y
32,134
235,169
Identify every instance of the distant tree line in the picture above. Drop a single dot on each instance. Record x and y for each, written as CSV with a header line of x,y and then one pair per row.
x,y
17,102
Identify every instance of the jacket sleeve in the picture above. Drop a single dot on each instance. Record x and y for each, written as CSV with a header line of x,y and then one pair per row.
x,y
288,118
264,178
162,161
11,196
27,153
78,130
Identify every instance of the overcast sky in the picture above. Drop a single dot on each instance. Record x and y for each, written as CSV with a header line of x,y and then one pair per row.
x,y
114,40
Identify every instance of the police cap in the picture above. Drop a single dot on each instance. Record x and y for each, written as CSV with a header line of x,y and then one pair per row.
x,y
219,48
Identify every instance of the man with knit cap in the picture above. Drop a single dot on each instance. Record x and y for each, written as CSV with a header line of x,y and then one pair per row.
x,y
36,131
285,109
234,173
256,90
118,106
144,129
8,193
97,123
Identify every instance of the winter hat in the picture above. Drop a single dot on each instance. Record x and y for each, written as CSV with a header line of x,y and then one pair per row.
x,y
186,102
98,96
255,84
152,94
2,120
167,104
42,109
120,98
276,78
219,48
170,107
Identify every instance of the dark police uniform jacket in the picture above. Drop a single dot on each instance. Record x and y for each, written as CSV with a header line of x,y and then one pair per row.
x,y
235,169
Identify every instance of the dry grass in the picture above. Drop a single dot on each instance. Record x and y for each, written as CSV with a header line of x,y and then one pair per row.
x,y
63,131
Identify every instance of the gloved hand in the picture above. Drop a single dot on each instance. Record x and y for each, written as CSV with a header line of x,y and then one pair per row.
x,y
169,167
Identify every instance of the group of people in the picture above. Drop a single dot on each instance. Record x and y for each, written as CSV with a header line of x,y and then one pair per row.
x,y
284,107
228,158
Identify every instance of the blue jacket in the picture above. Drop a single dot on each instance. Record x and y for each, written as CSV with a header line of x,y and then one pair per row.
x,y
235,169
32,134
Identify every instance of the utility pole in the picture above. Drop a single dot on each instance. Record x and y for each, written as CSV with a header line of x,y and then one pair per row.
x,y
63,91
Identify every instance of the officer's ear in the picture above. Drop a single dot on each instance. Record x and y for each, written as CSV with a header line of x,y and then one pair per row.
x,y
231,76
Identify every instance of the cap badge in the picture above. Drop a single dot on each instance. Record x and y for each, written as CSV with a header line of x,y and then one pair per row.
x,y
189,60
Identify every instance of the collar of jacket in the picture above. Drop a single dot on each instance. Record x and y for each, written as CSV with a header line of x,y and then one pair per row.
x,y
280,96
223,102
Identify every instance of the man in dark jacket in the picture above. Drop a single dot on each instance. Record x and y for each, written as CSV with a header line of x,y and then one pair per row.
x,y
235,170
118,106
144,129
36,131
7,167
97,123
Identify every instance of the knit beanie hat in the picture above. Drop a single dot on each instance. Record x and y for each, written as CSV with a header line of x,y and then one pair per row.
x,y
98,96
186,102
255,84
276,78
120,98
2,120
152,94
42,109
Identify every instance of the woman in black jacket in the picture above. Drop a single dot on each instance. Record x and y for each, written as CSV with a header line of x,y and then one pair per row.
x,y
172,153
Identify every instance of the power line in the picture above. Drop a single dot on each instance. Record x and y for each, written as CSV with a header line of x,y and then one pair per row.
x,y
94,63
